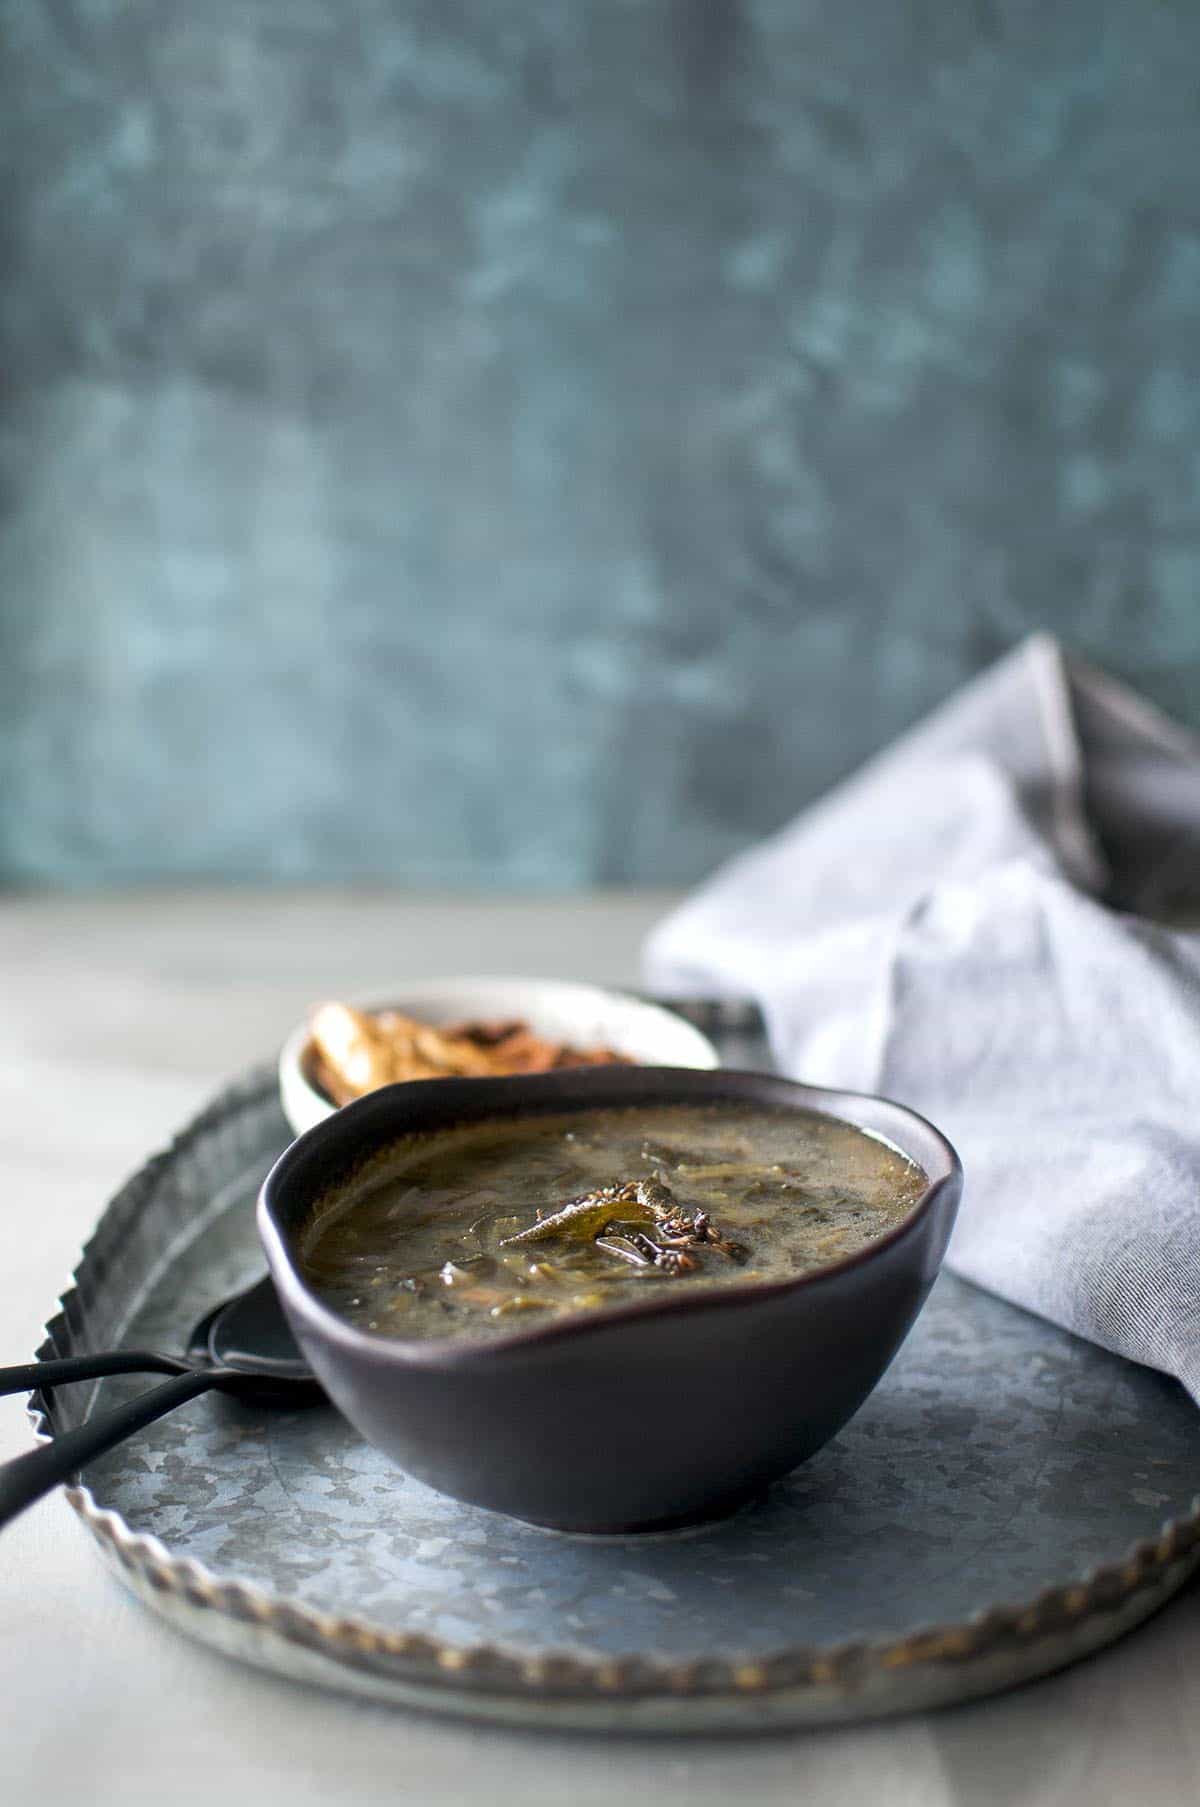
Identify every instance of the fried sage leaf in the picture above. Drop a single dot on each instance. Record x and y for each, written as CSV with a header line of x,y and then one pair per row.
x,y
589,1215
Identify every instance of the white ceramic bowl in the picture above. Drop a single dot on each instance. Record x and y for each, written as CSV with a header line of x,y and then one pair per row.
x,y
581,1014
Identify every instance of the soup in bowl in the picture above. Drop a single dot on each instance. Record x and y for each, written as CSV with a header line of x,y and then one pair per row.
x,y
607,1299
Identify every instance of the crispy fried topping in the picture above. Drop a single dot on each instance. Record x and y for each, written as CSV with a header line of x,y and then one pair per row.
x,y
355,1051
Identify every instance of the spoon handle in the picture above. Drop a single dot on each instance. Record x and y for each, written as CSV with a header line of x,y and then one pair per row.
x,y
26,1478
31,1375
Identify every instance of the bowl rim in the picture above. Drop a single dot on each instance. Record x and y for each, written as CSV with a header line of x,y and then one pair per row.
x,y
535,1094
293,1055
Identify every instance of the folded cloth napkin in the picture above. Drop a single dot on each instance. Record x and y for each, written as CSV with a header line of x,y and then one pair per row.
x,y
990,923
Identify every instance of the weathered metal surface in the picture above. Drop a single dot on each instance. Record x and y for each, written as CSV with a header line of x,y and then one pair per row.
x,y
1009,1499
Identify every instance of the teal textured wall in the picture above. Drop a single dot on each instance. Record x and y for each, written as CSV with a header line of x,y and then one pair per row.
x,y
541,443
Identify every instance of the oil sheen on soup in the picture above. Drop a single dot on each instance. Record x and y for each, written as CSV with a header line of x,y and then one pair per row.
x,y
510,1223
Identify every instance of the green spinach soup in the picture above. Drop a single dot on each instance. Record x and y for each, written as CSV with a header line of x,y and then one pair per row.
x,y
502,1224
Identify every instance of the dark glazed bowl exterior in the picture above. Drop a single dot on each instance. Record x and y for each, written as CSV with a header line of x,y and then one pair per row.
x,y
641,1416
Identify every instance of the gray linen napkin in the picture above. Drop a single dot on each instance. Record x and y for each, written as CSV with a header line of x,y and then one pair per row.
x,y
989,923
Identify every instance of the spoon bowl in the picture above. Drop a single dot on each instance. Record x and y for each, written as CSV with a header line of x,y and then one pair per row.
x,y
249,1340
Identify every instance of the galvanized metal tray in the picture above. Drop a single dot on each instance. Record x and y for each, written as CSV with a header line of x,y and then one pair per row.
x,y
1009,1500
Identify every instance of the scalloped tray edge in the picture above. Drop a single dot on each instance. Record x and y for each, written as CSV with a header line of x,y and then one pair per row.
x,y
998,1648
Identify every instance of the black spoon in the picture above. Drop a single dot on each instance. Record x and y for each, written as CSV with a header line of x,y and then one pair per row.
x,y
242,1346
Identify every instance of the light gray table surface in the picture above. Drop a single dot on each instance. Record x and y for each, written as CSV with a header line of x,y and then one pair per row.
x,y
121,1015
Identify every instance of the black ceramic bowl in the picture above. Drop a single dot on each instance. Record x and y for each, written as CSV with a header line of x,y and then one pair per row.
x,y
640,1416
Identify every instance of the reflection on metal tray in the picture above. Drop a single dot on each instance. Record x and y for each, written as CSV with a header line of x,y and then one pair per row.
x,y
996,1509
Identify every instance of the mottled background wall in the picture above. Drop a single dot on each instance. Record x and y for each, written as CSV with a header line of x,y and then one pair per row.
x,y
541,441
